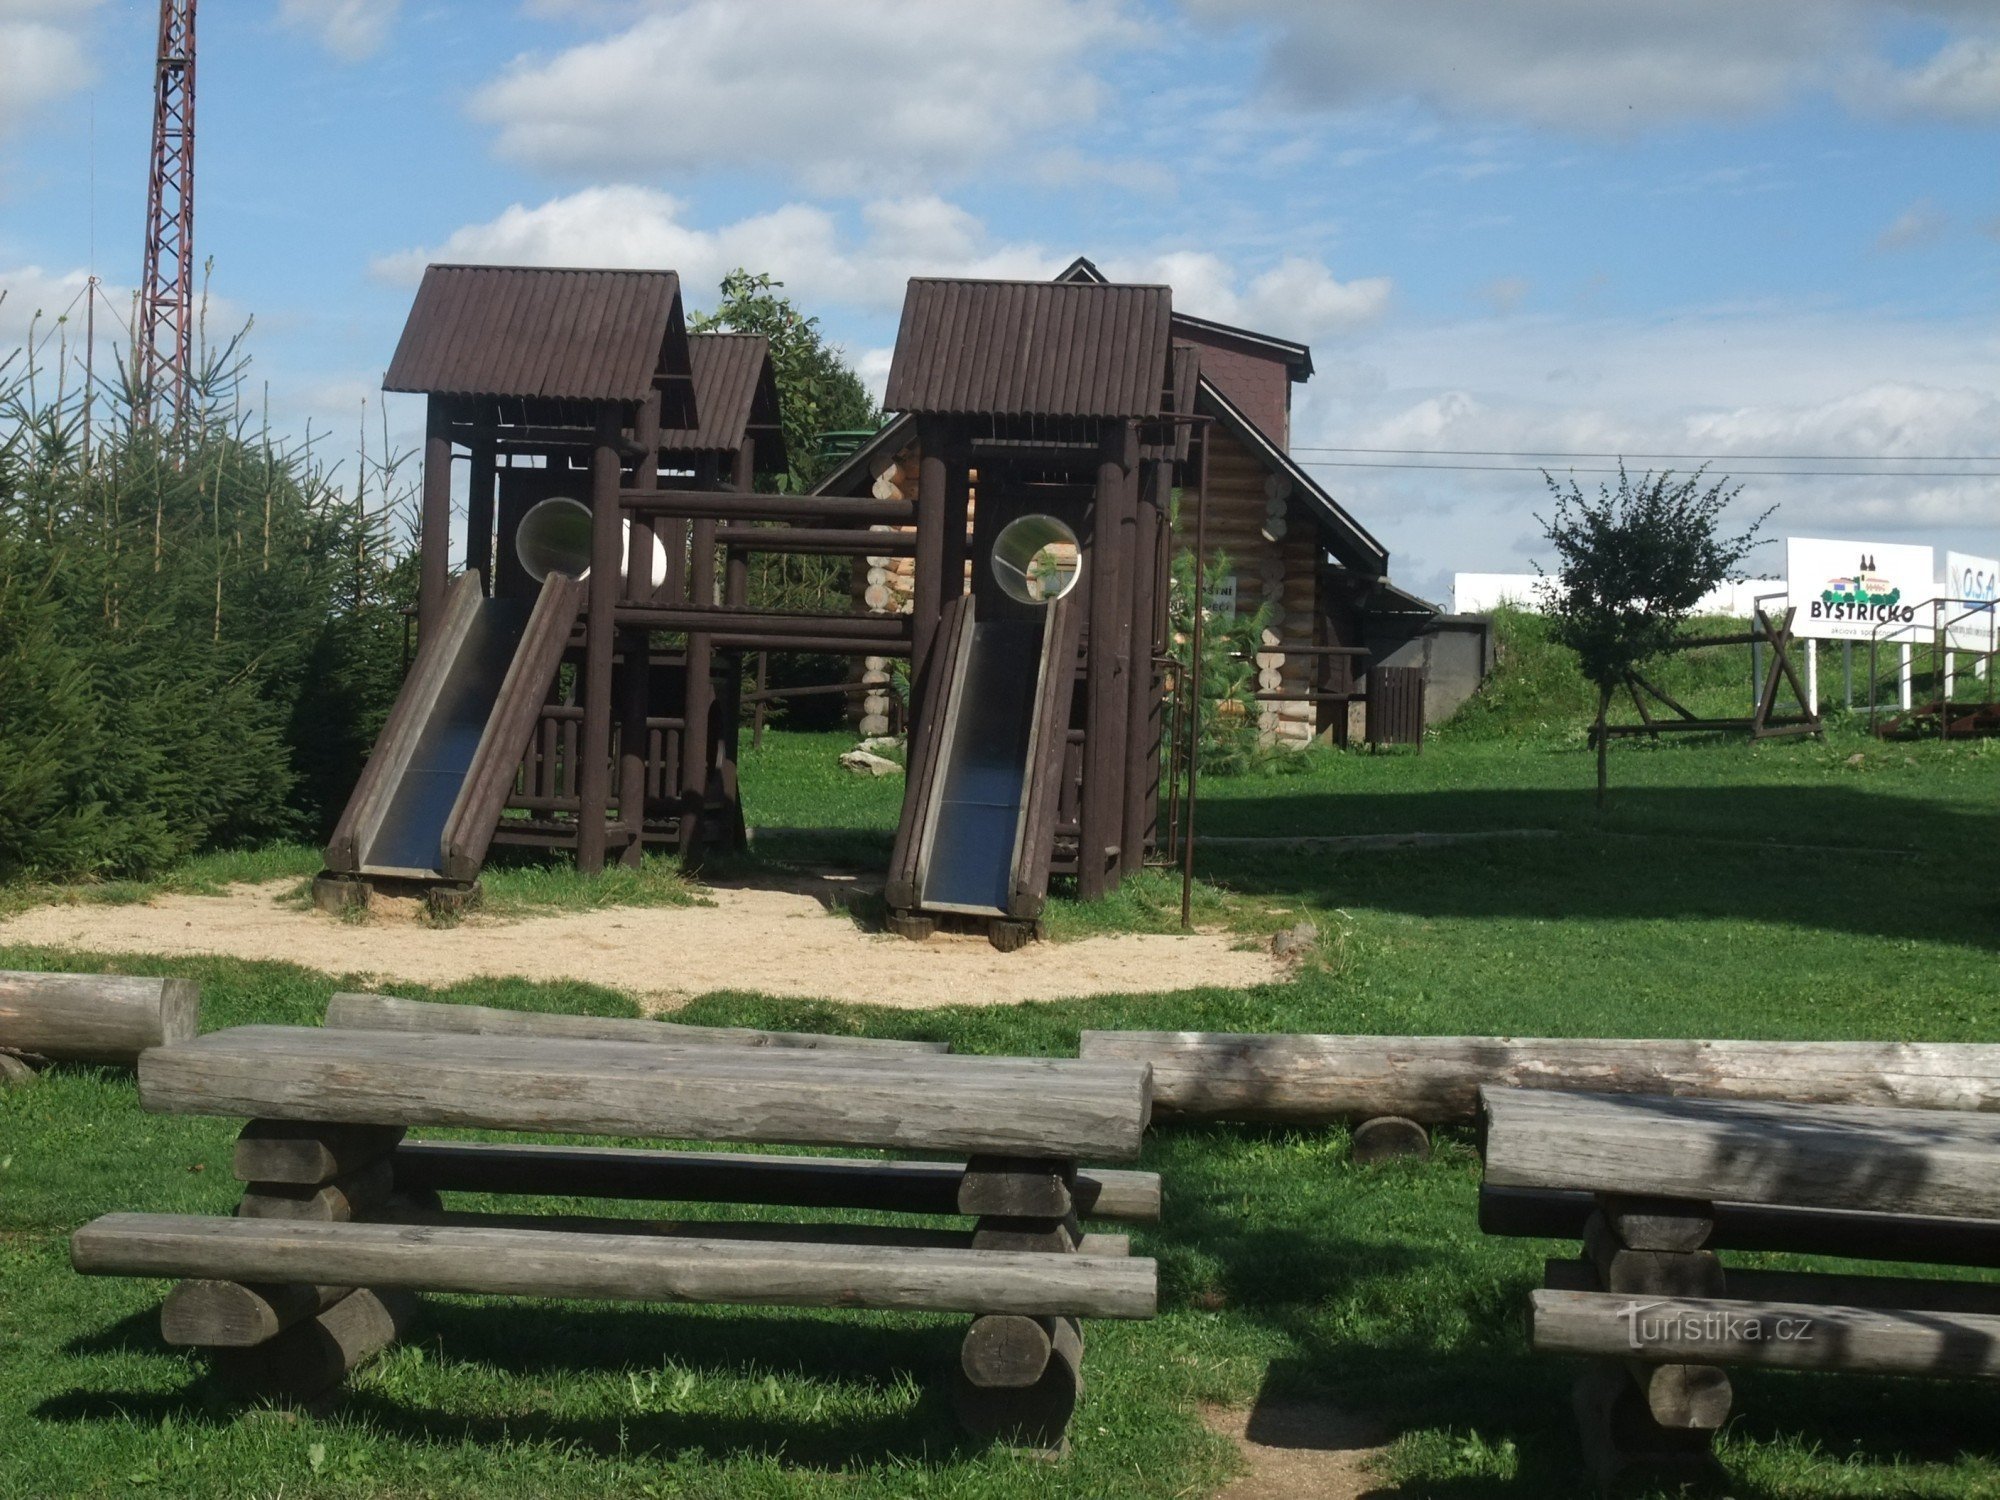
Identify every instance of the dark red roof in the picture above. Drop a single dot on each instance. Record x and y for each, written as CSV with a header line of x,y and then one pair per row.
x,y
736,392
1031,348
546,334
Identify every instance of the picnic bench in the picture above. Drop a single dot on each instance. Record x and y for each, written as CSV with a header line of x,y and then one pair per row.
x,y
1656,1187
343,1216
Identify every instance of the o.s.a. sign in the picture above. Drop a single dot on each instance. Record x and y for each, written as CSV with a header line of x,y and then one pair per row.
x,y
1972,584
1858,591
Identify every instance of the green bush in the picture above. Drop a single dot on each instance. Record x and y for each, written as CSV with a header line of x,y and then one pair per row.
x,y
198,633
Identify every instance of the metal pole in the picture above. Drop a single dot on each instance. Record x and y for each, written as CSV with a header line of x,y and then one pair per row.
x,y
1200,602
1847,671
89,363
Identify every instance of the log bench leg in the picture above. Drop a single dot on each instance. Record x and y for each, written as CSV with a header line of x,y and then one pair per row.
x,y
1636,1414
1390,1138
295,1341
1019,1378
15,1070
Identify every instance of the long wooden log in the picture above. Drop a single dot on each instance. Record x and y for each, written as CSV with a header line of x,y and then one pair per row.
x,y
1046,1107
1435,1080
312,1357
101,1018
911,1187
1535,1213
348,1011
1778,1335
550,1263
232,1315
1798,1155
432,1214
729,505
1830,1288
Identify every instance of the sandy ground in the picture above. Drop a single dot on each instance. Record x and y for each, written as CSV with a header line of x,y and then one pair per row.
x,y
778,942
1300,1450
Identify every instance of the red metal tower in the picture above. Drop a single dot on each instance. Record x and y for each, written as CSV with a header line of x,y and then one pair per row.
x,y
165,331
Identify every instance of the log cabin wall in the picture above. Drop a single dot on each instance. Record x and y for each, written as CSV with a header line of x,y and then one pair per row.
x,y
1272,549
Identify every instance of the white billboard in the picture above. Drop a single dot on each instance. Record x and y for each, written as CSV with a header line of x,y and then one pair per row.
x,y
1969,577
1859,591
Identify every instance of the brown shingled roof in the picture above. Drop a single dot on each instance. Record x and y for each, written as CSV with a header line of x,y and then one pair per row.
x,y
1031,348
736,391
563,335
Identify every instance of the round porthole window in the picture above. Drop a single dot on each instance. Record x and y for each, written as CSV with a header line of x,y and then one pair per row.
x,y
1036,559
554,537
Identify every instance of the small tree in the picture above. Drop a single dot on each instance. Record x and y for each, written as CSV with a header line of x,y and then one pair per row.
x,y
1630,568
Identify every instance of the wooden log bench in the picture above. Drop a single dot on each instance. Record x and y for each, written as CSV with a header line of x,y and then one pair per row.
x,y
339,1204
1395,1089
1655,1188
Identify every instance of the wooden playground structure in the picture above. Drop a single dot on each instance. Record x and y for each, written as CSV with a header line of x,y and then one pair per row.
x,y
581,684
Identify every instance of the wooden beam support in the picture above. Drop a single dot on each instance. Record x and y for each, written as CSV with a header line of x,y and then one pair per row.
x,y
434,517
306,1154
905,1187
236,1315
593,775
744,507
928,594
1101,856
479,503
311,1358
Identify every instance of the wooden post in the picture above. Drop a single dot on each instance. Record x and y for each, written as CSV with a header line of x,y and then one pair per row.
x,y
1114,519
928,587
635,697
600,638
957,506
696,755
1143,708
434,530
479,504
736,593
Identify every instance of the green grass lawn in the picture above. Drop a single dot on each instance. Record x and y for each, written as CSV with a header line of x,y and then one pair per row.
x,y
1784,890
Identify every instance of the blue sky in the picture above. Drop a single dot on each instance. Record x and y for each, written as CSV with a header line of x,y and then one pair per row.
x,y
1562,226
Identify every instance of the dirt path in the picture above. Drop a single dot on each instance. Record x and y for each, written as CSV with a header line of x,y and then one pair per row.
x,y
1301,1450
778,942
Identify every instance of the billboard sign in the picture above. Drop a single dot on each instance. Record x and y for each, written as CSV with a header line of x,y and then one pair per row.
x,y
1968,577
1858,591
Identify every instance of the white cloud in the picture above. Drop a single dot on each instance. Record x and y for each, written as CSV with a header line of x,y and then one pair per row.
x,y
32,295
1961,82
801,244
352,30
1738,384
1590,67
1299,298
1920,224
859,95
42,55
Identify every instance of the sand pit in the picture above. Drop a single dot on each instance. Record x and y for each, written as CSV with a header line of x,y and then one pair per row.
x,y
777,942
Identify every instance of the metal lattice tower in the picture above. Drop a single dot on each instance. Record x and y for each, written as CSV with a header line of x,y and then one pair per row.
x,y
165,331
